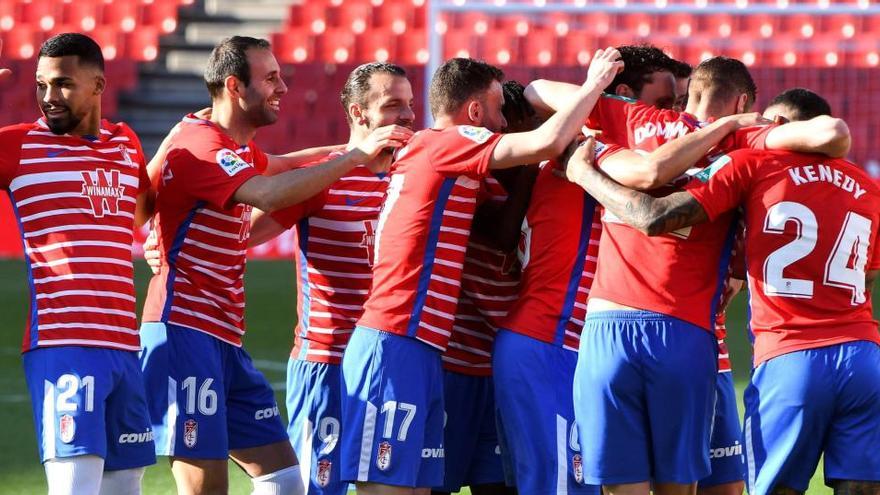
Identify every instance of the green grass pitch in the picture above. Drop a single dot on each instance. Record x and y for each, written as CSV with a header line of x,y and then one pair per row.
x,y
270,316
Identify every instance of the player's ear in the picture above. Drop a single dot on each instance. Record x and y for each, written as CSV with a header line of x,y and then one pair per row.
x,y
356,113
231,83
624,90
100,84
475,112
742,103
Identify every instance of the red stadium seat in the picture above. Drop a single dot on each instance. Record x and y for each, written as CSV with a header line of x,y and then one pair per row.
x,y
20,43
394,15
843,25
718,25
335,46
458,43
8,15
356,16
758,25
577,48
411,48
500,49
515,24
294,46
83,14
595,23
824,52
680,24
798,25
40,14
142,44
110,40
162,15
636,24
540,47
373,45
304,14
120,15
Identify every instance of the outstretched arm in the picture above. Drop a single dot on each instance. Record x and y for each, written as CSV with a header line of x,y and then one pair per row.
x,y
548,96
294,159
652,216
675,157
822,134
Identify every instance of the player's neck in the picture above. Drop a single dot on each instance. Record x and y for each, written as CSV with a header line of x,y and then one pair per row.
x,y
444,121
233,125
89,126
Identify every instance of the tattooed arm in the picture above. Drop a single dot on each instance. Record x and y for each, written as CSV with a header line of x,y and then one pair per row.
x,y
650,215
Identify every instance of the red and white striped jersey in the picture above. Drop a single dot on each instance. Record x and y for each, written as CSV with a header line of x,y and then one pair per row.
x,y
423,232
558,253
489,285
202,234
74,198
334,258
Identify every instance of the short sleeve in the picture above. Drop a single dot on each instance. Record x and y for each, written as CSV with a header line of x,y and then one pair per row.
x,y
209,173
10,144
754,137
605,150
464,150
139,158
288,217
261,159
721,186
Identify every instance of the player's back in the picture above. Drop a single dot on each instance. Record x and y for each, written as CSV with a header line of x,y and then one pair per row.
x,y
75,199
811,234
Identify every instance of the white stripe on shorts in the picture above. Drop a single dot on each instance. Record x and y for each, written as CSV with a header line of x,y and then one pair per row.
x,y
369,433
171,426
750,454
305,456
48,420
561,456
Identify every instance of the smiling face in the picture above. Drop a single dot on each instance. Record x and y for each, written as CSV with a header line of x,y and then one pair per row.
x,y
69,93
389,101
261,98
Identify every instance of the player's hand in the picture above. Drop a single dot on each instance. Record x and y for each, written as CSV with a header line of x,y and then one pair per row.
x,y
388,137
747,120
151,252
4,72
579,165
605,65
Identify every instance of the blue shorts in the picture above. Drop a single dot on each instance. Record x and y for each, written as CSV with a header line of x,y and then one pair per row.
x,y
90,401
725,446
471,441
392,409
314,395
804,403
533,381
205,396
644,392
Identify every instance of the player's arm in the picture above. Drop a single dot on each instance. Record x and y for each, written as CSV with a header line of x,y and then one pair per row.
x,y
264,228
823,134
553,136
675,157
502,224
652,216
548,96
294,159
294,186
145,207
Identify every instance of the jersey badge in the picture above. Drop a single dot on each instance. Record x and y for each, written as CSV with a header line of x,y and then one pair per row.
x,y
478,135
230,162
707,173
190,433
66,428
577,466
323,474
103,191
383,456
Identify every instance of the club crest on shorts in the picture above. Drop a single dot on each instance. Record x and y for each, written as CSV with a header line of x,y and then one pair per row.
x,y
190,433
322,477
577,465
383,456
66,428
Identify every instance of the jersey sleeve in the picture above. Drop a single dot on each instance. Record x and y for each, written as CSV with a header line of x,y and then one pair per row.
x,y
10,144
261,159
288,217
721,186
208,172
139,158
753,137
610,115
465,150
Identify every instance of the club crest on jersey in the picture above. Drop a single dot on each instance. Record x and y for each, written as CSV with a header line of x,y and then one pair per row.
x,y
369,240
190,433
103,191
478,135
66,428
123,151
230,162
577,466
323,474
383,456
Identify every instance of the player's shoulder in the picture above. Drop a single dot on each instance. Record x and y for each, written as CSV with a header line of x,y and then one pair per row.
x,y
16,132
466,133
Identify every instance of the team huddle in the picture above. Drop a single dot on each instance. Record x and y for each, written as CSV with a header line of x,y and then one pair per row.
x,y
527,297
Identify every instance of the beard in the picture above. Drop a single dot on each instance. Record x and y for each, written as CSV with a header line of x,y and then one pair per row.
x,y
62,124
